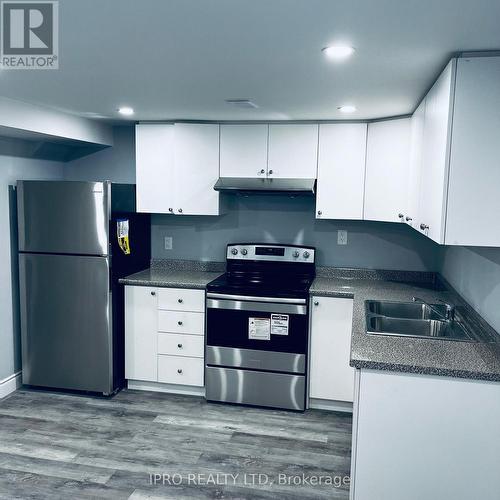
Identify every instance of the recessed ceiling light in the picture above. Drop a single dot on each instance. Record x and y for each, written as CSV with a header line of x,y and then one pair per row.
x,y
126,111
338,52
348,108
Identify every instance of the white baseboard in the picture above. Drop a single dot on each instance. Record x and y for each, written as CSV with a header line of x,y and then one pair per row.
x,y
10,384
169,388
325,404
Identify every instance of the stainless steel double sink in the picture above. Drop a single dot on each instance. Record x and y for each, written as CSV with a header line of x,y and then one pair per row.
x,y
413,319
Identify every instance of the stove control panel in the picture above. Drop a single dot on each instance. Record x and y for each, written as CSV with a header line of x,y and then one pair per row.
x,y
270,252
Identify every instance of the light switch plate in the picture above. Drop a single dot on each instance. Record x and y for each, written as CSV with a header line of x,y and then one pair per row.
x,y
168,242
342,237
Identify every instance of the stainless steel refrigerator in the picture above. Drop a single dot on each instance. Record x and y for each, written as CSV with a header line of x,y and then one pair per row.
x,y
70,261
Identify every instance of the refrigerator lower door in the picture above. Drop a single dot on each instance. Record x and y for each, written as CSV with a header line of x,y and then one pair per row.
x,y
66,329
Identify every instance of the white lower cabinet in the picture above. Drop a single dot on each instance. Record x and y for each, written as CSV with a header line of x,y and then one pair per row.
x,y
164,335
330,376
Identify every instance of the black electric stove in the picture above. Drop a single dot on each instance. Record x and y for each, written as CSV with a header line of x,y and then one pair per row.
x,y
258,326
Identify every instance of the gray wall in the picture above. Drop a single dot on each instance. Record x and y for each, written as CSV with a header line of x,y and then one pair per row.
x,y
116,164
475,274
11,169
278,218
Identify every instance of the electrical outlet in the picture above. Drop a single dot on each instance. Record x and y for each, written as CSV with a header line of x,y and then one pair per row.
x,y
168,242
342,237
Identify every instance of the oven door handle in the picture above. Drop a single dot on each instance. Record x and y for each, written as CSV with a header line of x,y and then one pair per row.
x,y
248,298
241,305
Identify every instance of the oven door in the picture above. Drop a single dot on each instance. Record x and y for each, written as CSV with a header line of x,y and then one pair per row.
x,y
248,332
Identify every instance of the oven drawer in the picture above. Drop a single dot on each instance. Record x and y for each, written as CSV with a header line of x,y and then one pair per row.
x,y
256,360
181,299
181,322
275,390
180,345
180,370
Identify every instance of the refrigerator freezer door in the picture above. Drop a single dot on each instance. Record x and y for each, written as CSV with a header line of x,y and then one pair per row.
x,y
66,329
63,217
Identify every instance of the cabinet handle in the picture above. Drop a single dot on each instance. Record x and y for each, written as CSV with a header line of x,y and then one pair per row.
x,y
170,210
180,210
179,371
423,226
180,301
316,303
153,293
179,346
319,212
401,215
408,219
179,323
262,171
270,172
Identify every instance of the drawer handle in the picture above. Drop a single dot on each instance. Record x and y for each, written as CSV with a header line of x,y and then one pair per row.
x,y
180,301
179,371
153,293
316,303
179,323
179,346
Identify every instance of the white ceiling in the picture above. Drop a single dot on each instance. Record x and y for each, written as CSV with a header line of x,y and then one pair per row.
x,y
179,59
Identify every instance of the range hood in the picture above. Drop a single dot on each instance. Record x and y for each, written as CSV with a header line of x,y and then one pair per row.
x,y
265,185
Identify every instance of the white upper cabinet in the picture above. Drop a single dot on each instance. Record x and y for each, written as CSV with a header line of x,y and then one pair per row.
x,y
473,208
177,167
387,170
416,144
243,150
293,151
196,162
435,155
154,159
341,171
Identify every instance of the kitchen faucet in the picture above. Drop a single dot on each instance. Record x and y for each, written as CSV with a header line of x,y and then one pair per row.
x,y
450,309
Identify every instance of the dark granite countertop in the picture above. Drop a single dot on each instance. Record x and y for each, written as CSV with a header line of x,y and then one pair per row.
x,y
472,360
171,278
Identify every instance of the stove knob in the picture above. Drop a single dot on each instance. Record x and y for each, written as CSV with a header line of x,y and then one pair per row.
x,y
234,251
244,251
296,253
305,255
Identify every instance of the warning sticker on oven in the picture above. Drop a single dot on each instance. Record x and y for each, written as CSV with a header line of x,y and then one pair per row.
x,y
279,324
259,328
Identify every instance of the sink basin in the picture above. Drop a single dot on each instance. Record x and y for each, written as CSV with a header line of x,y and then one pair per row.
x,y
408,310
412,319
426,328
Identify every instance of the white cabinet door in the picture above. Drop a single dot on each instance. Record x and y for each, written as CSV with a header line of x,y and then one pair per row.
x,y
293,151
330,376
435,155
196,168
141,316
243,150
387,170
341,171
154,158
473,193
416,147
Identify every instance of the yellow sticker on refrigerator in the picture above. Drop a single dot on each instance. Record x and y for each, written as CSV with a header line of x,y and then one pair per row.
x,y
122,227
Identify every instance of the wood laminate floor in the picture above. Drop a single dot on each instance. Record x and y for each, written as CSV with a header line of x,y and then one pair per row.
x,y
66,446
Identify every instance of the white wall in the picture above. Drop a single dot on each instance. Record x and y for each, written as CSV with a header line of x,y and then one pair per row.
x,y
12,169
475,274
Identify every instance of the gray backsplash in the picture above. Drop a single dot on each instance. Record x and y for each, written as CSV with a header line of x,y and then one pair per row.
x,y
281,219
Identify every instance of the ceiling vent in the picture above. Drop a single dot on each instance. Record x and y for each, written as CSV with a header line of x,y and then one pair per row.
x,y
242,103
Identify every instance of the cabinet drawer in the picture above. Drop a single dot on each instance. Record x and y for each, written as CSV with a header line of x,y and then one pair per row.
x,y
181,299
180,370
180,345
192,323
